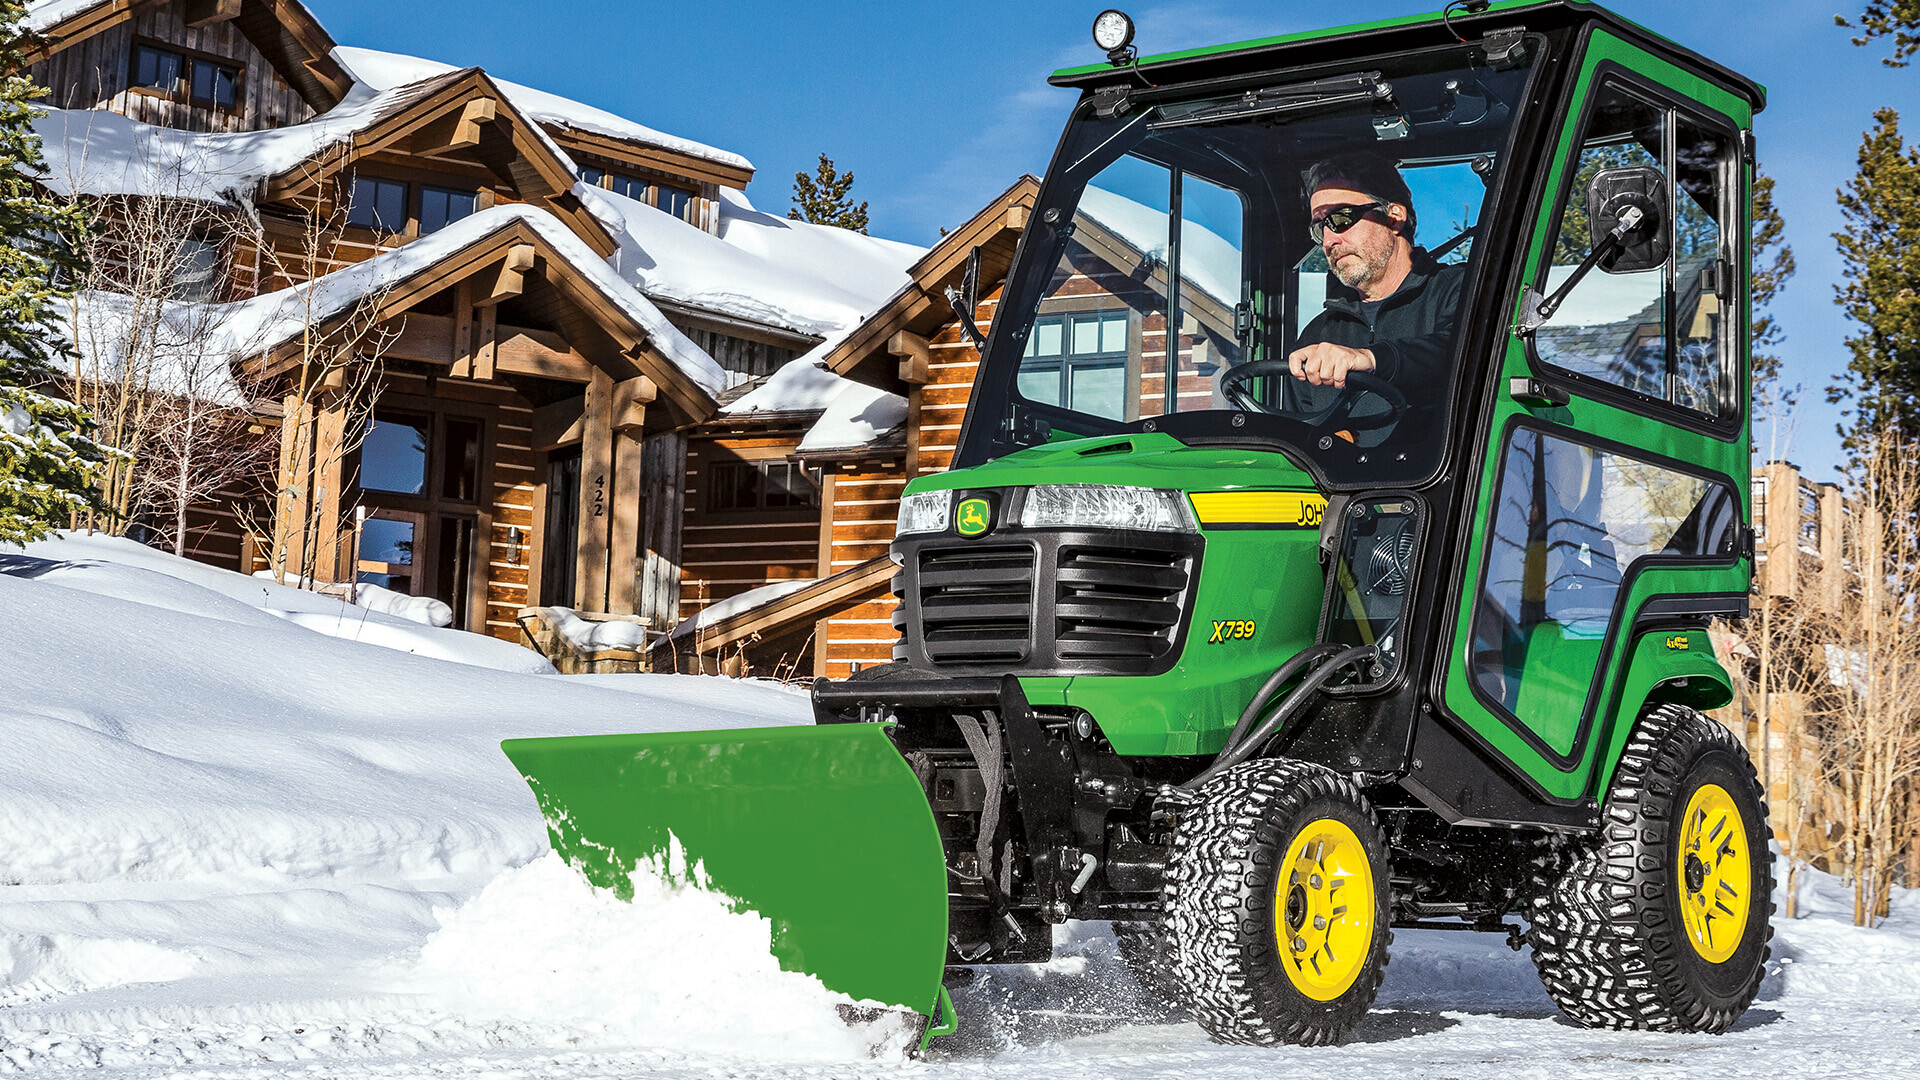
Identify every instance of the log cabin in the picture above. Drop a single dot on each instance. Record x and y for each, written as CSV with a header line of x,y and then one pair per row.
x,y
481,321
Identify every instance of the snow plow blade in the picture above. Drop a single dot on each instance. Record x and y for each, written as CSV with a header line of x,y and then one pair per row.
x,y
824,830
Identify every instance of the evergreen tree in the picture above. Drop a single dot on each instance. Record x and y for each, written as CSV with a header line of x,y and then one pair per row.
x,y
1899,20
823,198
47,460
1880,247
1772,266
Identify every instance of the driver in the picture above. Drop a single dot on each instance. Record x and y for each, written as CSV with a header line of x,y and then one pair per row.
x,y
1393,310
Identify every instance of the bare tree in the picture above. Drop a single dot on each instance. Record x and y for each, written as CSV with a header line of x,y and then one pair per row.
x,y
330,388
1870,637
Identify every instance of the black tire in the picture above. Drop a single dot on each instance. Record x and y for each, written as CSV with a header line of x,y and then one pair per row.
x,y
1225,882
1148,955
1611,937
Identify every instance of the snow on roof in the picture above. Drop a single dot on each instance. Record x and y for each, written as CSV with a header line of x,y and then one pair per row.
x,y
800,385
811,279
720,610
96,152
1207,259
45,14
860,415
384,70
213,334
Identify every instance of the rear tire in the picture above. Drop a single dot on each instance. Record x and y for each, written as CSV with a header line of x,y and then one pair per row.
x,y
1277,905
1663,923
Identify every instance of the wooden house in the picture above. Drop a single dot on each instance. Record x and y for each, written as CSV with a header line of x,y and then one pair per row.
x,y
523,287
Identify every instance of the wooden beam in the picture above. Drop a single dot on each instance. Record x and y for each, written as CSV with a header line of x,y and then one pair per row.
x,y
916,357
201,13
520,353
560,423
486,343
457,129
329,475
460,341
630,400
519,350
624,558
505,279
475,115
596,493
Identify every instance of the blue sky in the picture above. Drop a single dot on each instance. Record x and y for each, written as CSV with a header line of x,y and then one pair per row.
x,y
938,107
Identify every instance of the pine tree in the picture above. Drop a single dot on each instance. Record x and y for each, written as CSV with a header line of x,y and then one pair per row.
x,y
1880,247
47,460
823,198
1899,20
1772,266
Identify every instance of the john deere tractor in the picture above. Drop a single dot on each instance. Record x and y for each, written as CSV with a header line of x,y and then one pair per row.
x,y
1275,601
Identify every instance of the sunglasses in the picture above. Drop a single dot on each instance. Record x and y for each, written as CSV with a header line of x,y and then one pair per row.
x,y
1341,218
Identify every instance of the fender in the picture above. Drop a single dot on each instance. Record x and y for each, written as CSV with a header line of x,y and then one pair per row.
x,y
1664,665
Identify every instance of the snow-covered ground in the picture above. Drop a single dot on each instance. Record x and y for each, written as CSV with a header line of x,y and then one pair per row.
x,y
250,833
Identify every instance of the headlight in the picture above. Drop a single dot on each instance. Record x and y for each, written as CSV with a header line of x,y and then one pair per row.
x,y
1105,506
925,512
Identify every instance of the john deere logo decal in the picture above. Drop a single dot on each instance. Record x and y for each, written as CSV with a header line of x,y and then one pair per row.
x,y
973,517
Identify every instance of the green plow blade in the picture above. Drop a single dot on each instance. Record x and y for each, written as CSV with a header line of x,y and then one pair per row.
x,y
823,830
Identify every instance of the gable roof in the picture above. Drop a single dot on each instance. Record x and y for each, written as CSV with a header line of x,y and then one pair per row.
x,y
921,306
377,70
284,31
459,112
687,378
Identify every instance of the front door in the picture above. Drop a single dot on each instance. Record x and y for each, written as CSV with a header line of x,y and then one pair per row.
x,y
1591,510
419,479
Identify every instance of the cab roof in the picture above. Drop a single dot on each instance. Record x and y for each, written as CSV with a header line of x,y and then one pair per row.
x,y
1291,49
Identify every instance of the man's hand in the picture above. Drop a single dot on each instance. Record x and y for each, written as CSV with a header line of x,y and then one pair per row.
x,y
1327,364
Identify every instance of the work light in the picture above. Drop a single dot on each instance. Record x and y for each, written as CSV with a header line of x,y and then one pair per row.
x,y
1113,32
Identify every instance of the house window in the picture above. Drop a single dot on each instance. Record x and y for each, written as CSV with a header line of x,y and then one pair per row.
x,y
673,200
1759,508
441,207
631,186
158,69
760,485
196,271
203,82
380,205
214,84
1810,518
1078,361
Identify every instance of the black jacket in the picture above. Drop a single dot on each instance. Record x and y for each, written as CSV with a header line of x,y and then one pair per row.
x,y
1411,336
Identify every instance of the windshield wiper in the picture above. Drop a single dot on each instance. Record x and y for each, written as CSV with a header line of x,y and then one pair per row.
x,y
1364,88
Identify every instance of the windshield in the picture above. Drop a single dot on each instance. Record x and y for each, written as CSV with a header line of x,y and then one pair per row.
x,y
1173,280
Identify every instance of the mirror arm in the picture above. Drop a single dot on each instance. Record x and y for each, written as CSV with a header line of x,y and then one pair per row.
x,y
1541,308
965,300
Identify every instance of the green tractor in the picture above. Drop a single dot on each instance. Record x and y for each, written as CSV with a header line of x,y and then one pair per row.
x,y
1353,469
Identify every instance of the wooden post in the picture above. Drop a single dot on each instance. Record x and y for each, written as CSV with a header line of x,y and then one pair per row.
x,y
486,350
916,370
596,483
291,494
329,475
824,568
463,330
624,559
663,479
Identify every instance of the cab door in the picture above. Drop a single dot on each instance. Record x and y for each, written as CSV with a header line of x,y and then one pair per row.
x,y
1612,485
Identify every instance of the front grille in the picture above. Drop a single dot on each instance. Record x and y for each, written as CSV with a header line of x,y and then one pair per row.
x,y
1061,602
1117,603
976,603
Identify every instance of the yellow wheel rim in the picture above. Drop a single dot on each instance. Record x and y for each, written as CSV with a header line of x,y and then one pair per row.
x,y
1715,873
1323,909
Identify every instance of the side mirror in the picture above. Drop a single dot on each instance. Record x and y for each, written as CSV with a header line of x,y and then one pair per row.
x,y
1610,194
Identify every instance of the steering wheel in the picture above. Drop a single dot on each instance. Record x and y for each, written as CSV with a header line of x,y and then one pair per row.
x,y
1338,415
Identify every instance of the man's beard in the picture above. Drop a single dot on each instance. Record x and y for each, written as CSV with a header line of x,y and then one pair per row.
x,y
1369,270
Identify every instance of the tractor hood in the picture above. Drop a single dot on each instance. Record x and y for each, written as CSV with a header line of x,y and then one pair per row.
x,y
1149,459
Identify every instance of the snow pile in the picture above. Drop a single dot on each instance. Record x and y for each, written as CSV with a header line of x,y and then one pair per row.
x,y
593,635
378,71
424,610
677,968
853,414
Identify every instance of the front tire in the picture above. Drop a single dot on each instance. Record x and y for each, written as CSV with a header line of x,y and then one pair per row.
x,y
1277,905
1663,922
